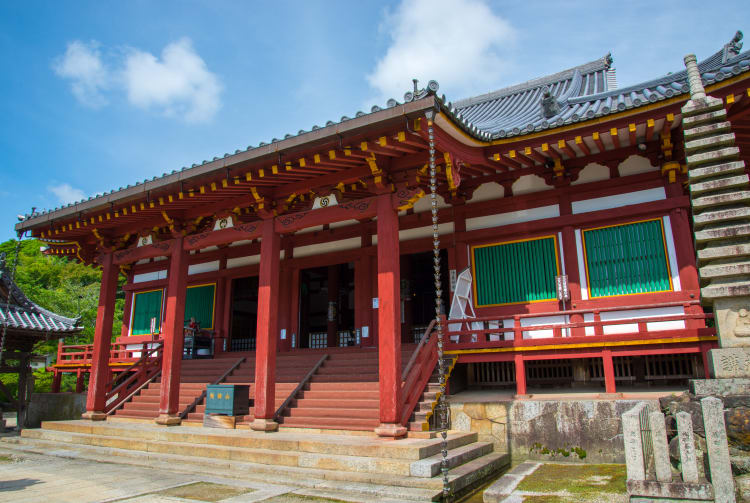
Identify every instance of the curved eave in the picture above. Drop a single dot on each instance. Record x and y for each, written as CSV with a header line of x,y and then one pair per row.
x,y
472,136
292,144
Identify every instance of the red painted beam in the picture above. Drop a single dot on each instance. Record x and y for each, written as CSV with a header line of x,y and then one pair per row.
x,y
239,232
130,255
351,210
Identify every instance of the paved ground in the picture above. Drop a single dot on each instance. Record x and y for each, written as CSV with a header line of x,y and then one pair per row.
x,y
28,478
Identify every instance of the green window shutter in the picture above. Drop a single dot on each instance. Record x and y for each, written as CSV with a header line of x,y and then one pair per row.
x,y
626,259
508,273
199,304
146,305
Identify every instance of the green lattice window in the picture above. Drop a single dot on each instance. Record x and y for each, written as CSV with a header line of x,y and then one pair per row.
x,y
146,305
626,259
515,272
199,304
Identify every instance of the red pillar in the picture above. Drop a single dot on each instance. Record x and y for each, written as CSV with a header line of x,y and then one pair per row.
x,y
56,378
105,313
389,320
125,329
684,249
80,385
520,375
267,331
173,334
293,335
609,372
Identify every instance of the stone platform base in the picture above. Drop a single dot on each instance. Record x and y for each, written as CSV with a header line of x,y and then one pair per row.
x,y
729,363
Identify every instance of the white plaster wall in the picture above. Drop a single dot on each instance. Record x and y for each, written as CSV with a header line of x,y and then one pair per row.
x,y
150,276
592,173
540,320
618,200
203,267
487,192
333,246
423,204
634,165
306,230
528,184
241,242
423,232
243,261
512,217
638,314
343,223
581,266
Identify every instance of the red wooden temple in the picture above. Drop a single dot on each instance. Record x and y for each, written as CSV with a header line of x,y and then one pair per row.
x,y
304,266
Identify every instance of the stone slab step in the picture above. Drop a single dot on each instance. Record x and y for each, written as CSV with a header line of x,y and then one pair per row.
x,y
727,182
722,215
725,232
315,385
728,251
738,268
707,130
430,467
727,168
703,202
712,141
373,485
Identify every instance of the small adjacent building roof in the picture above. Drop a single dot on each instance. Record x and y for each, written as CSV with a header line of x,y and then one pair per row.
x,y
26,321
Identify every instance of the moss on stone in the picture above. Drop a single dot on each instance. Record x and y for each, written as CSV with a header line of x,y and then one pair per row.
x,y
575,479
205,491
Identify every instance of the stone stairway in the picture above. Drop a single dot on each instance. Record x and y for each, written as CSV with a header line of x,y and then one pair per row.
x,y
423,419
408,469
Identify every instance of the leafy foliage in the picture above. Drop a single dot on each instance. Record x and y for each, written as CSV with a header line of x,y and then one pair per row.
x,y
64,287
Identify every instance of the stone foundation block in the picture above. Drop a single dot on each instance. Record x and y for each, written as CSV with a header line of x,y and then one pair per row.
x,y
719,387
727,363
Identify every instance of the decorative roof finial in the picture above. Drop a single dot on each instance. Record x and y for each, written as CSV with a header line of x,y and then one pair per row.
x,y
732,48
550,105
697,92
416,88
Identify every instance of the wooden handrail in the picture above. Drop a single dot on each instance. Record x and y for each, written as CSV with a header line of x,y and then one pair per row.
x,y
135,392
144,356
581,311
417,378
190,408
299,387
416,352
579,324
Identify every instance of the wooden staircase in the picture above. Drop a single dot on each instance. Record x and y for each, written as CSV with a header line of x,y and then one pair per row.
x,y
343,394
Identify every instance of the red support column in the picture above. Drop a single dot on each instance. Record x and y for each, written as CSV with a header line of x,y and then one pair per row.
x,y
570,253
267,331
56,378
126,310
389,320
219,311
105,313
226,322
609,372
80,387
520,375
174,336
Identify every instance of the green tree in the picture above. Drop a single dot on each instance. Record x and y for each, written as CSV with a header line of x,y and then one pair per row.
x,y
63,286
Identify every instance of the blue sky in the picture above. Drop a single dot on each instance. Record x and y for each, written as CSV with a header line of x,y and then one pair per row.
x,y
96,95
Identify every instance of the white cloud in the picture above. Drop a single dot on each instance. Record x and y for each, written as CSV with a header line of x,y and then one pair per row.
x,y
82,65
66,194
177,85
459,43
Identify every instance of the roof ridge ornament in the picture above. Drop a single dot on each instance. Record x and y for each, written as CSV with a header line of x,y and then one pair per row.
x,y
733,47
550,105
416,94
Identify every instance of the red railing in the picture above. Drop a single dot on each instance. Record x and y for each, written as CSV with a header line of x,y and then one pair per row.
x,y
133,378
79,355
492,332
417,372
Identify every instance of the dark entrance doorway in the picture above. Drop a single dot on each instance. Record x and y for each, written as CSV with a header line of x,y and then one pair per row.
x,y
418,293
244,314
327,307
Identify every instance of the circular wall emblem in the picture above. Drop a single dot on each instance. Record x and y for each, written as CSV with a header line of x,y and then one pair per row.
x,y
323,202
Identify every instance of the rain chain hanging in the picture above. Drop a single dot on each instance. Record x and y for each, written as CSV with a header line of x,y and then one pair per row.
x,y
442,405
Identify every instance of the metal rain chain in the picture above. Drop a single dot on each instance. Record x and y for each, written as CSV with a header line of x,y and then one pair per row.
x,y
442,405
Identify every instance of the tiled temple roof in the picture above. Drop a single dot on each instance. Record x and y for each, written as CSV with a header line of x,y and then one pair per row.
x,y
582,93
577,94
22,314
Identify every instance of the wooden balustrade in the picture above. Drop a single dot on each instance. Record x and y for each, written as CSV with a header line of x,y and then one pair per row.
x,y
492,327
418,370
